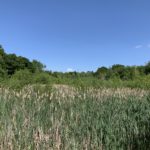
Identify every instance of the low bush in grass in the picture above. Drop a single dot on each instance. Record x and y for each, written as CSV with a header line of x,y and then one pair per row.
x,y
20,79
42,78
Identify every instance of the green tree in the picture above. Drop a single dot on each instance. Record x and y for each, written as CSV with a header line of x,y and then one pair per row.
x,y
2,58
101,73
11,63
2,52
147,68
38,66
118,71
24,63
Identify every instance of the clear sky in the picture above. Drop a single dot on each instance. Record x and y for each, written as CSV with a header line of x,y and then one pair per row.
x,y
77,34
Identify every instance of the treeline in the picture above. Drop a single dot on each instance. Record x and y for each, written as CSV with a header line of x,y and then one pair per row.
x,y
10,63
18,70
116,71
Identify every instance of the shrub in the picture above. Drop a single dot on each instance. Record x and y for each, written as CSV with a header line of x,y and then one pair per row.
x,y
20,78
42,78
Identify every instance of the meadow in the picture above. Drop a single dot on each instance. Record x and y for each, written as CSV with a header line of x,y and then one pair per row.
x,y
61,117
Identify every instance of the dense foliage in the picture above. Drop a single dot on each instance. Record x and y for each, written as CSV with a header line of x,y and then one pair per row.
x,y
17,71
10,63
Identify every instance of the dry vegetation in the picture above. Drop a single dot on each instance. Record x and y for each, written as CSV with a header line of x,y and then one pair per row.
x,y
63,117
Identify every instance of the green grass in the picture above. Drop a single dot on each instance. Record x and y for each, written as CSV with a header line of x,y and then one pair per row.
x,y
34,119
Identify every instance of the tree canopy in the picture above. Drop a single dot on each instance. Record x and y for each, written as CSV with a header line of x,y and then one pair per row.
x,y
11,63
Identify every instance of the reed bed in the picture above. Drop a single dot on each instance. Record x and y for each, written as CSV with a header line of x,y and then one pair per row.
x,y
67,118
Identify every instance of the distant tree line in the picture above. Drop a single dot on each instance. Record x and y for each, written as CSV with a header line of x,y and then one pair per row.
x,y
116,71
122,72
10,64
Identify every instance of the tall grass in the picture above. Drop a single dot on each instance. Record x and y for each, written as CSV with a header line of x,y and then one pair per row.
x,y
74,119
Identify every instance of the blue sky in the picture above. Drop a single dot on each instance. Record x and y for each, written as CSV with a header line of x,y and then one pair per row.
x,y
77,34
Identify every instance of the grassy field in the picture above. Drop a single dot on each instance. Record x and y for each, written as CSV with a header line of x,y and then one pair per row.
x,y
61,117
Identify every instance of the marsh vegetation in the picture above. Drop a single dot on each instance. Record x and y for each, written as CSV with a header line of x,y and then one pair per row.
x,y
62,117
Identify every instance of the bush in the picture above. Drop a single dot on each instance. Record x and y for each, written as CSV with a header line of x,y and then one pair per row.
x,y
42,78
21,78
2,73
